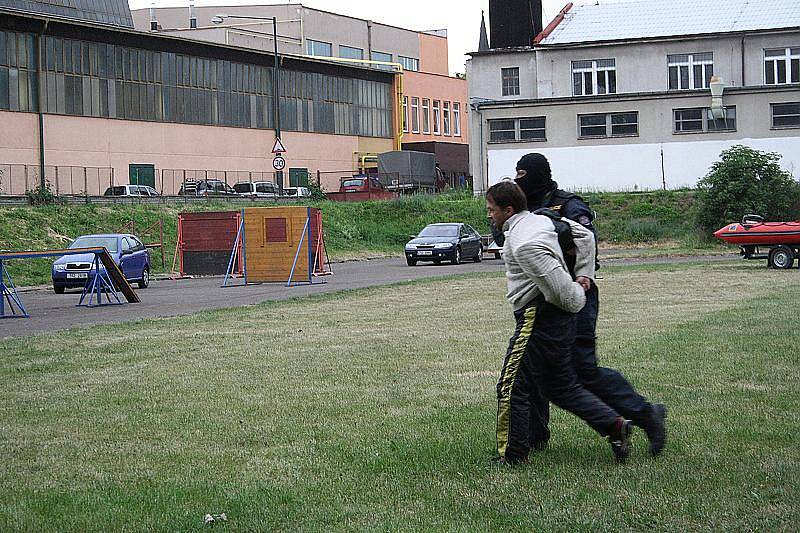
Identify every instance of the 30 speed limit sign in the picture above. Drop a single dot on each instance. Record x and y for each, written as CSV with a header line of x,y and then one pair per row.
x,y
278,163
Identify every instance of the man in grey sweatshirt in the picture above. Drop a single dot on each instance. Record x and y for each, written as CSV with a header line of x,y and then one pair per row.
x,y
544,298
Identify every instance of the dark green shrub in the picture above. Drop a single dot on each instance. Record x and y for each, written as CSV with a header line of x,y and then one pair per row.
x,y
41,195
746,181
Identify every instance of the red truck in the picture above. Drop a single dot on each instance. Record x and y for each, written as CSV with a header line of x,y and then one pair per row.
x,y
359,188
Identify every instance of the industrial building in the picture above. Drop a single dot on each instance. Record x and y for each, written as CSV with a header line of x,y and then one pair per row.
x,y
88,101
434,102
618,95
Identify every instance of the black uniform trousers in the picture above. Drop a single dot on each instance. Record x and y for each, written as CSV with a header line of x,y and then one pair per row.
x,y
606,383
538,368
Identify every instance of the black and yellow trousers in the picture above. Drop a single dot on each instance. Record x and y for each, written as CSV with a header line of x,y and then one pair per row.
x,y
537,369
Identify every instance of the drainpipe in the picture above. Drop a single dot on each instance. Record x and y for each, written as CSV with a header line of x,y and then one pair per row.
x,y
369,39
476,108
40,103
742,49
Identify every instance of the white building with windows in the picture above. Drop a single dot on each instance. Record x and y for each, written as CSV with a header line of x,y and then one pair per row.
x,y
617,95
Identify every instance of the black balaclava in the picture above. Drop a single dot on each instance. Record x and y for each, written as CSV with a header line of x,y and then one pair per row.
x,y
537,181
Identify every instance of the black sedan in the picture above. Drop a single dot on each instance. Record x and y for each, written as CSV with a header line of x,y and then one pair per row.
x,y
445,242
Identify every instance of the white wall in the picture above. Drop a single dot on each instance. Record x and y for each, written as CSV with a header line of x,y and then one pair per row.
x,y
638,166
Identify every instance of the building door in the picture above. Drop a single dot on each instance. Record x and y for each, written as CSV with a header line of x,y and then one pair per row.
x,y
298,177
142,175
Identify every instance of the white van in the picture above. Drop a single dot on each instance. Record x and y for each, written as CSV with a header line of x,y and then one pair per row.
x,y
257,189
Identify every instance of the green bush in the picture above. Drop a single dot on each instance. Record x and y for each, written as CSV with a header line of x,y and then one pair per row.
x,y
746,181
41,195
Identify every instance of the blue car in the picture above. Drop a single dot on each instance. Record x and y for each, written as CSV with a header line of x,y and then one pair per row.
x,y
128,252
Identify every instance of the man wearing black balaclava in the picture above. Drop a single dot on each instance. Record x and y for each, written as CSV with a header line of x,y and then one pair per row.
x,y
535,179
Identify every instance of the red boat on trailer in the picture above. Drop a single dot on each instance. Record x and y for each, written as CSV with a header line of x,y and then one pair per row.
x,y
778,242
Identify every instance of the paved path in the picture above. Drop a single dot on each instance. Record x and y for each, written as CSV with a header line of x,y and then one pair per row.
x,y
52,312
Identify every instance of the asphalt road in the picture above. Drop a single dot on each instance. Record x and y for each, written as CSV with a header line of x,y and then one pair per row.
x,y
52,312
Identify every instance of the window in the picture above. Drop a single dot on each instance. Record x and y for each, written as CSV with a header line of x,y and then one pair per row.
x,y
532,129
523,129
781,65
786,115
382,56
437,118
502,130
510,78
446,114
409,63
349,52
275,230
594,76
405,114
319,48
700,120
456,119
609,125
414,114
426,115
690,71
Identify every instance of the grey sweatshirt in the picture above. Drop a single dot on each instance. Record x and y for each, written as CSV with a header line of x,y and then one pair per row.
x,y
535,264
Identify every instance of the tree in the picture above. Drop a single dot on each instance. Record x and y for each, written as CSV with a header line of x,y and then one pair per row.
x,y
746,181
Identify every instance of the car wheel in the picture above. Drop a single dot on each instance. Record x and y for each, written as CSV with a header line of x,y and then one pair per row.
x,y
437,261
781,257
145,281
457,257
479,256
58,289
411,262
497,255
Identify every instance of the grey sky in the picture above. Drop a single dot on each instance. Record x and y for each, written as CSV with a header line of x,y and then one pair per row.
x,y
461,18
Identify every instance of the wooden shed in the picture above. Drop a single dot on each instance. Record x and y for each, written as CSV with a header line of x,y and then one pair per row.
x,y
205,240
282,243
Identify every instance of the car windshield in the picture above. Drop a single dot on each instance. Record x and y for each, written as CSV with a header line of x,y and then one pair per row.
x,y
353,183
242,187
89,241
437,230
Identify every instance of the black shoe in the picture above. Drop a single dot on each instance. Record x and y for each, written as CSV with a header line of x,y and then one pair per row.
x,y
656,429
620,439
539,445
512,461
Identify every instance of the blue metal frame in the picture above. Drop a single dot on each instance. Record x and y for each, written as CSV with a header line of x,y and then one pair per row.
x,y
239,234
94,288
8,293
100,283
297,253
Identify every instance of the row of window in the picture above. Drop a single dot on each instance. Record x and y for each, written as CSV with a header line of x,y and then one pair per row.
x,y
626,124
100,80
440,119
684,72
323,49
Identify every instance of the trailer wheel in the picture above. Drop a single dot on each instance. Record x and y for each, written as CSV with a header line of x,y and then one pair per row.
x,y
781,257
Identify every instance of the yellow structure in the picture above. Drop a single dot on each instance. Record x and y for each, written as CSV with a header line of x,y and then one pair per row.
x,y
280,242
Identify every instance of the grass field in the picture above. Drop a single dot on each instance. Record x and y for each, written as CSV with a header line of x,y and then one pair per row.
x,y
375,410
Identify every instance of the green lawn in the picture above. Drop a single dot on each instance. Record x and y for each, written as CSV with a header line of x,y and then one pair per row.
x,y
375,410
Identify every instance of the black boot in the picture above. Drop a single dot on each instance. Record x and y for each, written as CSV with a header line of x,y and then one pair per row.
x,y
656,429
620,438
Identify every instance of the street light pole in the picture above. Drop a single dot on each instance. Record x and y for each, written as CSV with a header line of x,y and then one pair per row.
x,y
276,73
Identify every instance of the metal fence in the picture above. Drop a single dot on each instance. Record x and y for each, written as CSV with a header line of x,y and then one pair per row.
x,y
84,182
61,180
170,181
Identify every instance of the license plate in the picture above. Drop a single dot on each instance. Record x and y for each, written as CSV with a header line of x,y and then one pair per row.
x,y
424,252
78,275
